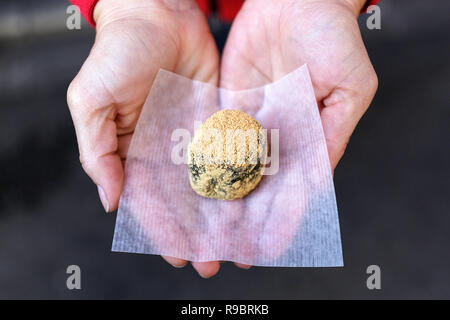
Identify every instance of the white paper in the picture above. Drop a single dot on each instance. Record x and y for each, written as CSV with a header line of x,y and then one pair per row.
x,y
290,219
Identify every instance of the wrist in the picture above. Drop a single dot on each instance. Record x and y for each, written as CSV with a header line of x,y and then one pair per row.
x,y
106,11
96,12
109,10
355,5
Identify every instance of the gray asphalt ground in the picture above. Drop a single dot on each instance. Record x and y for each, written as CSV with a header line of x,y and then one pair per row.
x,y
392,184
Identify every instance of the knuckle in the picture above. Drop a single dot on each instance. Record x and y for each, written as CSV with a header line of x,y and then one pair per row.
x,y
371,88
74,96
83,161
86,165
373,81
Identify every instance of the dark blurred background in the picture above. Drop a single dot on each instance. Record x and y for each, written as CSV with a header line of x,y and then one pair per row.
x,y
392,185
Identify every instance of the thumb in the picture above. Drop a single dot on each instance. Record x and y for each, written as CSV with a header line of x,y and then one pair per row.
x,y
344,107
93,113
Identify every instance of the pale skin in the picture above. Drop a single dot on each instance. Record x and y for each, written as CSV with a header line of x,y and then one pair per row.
x,y
268,39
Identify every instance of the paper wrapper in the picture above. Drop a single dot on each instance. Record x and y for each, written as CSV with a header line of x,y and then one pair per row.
x,y
290,219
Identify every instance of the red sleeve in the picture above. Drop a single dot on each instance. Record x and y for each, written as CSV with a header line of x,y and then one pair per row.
x,y
368,4
86,9
228,9
204,5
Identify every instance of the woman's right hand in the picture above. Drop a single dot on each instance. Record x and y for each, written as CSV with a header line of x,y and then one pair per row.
x,y
134,40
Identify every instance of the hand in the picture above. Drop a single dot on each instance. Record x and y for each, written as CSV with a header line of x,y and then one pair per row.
x,y
134,39
271,38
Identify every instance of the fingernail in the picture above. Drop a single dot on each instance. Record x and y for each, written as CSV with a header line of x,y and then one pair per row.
x,y
103,198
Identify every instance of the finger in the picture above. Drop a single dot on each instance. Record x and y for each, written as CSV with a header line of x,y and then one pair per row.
x,y
243,266
343,109
175,262
93,113
123,145
206,269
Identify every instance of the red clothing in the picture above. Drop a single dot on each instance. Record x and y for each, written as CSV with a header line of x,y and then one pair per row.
x,y
226,9
86,9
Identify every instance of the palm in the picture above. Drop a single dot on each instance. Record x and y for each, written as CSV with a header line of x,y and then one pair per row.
x,y
116,78
270,39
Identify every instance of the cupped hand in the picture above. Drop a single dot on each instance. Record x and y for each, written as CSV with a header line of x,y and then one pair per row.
x,y
134,40
271,38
